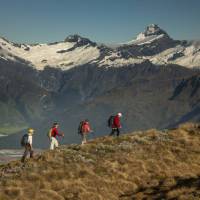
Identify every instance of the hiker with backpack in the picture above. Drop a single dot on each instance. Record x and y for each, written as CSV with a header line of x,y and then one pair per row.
x,y
52,134
27,143
84,129
114,123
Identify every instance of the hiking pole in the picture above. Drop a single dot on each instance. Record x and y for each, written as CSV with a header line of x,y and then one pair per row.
x,y
62,135
93,134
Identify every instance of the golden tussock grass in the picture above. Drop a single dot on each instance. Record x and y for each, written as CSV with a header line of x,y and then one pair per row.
x,y
142,165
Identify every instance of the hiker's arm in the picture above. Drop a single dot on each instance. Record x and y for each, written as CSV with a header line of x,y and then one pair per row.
x,y
60,134
57,133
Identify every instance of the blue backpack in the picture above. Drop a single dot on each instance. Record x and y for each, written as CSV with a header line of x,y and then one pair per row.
x,y
24,140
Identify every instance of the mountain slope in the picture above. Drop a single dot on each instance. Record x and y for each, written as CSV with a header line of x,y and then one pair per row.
x,y
142,165
189,90
95,93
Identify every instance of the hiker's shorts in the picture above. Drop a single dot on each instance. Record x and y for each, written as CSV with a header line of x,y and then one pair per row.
x,y
54,143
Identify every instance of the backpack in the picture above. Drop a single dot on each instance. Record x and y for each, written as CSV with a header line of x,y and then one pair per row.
x,y
24,140
86,128
49,133
80,127
111,121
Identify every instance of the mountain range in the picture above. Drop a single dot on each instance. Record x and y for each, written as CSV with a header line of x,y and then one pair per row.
x,y
153,80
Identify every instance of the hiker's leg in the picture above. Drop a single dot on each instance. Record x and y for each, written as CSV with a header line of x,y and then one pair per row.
x,y
31,153
83,138
29,150
56,142
118,131
25,154
112,131
52,144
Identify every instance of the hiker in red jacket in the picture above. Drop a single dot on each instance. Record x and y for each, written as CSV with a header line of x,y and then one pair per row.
x,y
85,129
54,133
116,125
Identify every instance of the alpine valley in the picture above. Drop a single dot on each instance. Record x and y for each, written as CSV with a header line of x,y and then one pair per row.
x,y
153,80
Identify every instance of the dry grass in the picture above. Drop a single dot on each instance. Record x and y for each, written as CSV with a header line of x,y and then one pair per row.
x,y
144,165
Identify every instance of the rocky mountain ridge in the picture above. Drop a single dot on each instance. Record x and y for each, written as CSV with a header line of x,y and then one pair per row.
x,y
154,45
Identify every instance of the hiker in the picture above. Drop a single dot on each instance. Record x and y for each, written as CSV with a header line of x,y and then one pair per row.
x,y
53,133
115,124
84,129
27,142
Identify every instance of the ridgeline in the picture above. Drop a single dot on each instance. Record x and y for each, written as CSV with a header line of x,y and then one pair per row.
x,y
142,165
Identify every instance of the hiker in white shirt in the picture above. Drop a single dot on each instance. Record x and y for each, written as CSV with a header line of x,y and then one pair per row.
x,y
28,144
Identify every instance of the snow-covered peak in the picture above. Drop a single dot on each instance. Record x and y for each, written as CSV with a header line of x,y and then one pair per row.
x,y
81,41
151,30
73,38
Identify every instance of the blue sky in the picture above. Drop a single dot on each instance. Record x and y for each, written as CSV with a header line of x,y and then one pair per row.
x,y
110,21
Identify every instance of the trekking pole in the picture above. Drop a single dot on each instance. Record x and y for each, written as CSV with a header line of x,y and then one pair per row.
x,y
93,134
62,135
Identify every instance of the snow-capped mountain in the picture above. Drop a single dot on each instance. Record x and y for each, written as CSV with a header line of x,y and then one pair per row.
x,y
59,54
153,45
153,32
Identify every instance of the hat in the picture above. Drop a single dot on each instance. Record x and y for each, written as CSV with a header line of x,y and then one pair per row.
x,y
55,123
119,114
31,131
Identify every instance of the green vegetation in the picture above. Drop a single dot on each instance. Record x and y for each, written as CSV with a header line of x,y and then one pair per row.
x,y
6,130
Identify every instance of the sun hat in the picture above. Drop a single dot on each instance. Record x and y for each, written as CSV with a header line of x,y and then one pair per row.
x,y
31,131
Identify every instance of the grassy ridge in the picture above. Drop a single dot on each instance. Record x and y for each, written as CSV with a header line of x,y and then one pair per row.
x,y
141,165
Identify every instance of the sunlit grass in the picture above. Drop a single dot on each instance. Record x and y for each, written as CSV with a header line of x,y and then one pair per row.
x,y
142,165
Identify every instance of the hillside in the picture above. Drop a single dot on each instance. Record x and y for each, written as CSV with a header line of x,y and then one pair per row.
x,y
38,98
141,165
